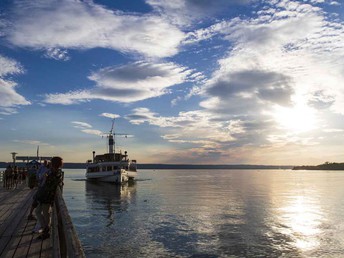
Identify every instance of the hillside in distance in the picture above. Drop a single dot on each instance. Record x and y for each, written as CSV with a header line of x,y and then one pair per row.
x,y
325,166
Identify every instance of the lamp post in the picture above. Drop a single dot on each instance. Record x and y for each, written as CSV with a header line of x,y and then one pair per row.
x,y
14,158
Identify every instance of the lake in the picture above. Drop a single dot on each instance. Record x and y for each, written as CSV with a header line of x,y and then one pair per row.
x,y
210,213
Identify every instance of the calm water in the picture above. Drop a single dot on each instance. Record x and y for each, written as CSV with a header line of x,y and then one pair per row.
x,y
218,213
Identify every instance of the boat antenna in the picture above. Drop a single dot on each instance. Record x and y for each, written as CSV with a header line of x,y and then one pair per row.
x,y
113,122
111,138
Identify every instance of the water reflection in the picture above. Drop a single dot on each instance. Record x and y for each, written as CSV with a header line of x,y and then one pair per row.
x,y
212,214
110,198
302,217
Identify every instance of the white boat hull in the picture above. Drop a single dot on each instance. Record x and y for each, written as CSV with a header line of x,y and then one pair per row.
x,y
118,177
132,174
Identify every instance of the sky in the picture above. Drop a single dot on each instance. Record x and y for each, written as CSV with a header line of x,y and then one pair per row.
x,y
188,81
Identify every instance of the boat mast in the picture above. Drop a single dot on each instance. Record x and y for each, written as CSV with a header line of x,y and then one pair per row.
x,y
111,138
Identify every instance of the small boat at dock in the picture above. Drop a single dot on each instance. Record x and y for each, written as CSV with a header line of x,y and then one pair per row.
x,y
113,167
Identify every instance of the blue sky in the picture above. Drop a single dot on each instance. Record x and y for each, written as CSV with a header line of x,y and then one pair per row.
x,y
190,81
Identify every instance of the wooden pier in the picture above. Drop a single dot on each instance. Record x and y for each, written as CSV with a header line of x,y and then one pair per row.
x,y
16,231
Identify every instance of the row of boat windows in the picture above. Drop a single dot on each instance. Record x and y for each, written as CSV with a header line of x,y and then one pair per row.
x,y
104,168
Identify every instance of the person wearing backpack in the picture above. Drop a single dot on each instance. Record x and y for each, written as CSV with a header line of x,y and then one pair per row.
x,y
45,195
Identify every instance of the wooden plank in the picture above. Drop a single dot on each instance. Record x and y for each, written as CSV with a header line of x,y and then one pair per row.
x,y
7,198
21,242
55,234
16,237
9,207
35,247
42,247
47,248
17,216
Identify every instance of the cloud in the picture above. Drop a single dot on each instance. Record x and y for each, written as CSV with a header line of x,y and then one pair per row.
x,y
10,100
81,125
32,142
320,99
271,65
86,128
330,2
9,66
201,136
267,86
270,87
128,83
109,115
71,97
67,24
185,12
57,54
191,127
92,131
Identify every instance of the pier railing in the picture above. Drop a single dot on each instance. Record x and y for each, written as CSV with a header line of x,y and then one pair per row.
x,y
65,239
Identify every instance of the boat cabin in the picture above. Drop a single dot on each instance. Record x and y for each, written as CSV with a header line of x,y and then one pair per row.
x,y
110,157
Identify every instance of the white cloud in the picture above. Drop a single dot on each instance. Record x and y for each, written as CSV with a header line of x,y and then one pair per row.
x,y
71,97
185,12
271,69
86,128
271,64
57,54
10,100
55,24
9,66
81,125
333,130
128,83
191,127
92,131
330,2
8,96
110,115
32,142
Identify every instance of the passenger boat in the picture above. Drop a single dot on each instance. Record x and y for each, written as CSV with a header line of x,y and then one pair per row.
x,y
114,167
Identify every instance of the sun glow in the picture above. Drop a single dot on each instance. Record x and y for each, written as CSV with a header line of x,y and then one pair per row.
x,y
297,119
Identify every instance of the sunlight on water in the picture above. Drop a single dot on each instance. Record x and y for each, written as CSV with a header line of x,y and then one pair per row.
x,y
202,213
302,218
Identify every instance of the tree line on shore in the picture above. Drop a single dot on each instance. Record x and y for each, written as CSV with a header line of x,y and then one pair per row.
x,y
326,166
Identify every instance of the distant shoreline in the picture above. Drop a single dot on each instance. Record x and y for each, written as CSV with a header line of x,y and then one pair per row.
x,y
325,166
172,166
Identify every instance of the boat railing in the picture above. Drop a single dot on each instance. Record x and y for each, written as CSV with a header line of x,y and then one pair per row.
x,y
2,178
65,239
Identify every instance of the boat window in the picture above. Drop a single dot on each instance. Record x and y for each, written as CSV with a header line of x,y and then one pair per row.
x,y
109,168
103,168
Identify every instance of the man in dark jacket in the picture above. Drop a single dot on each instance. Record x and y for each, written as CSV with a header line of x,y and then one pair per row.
x,y
46,194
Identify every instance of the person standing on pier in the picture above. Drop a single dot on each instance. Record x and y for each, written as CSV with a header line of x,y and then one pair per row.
x,y
8,176
15,176
46,194
41,176
42,173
